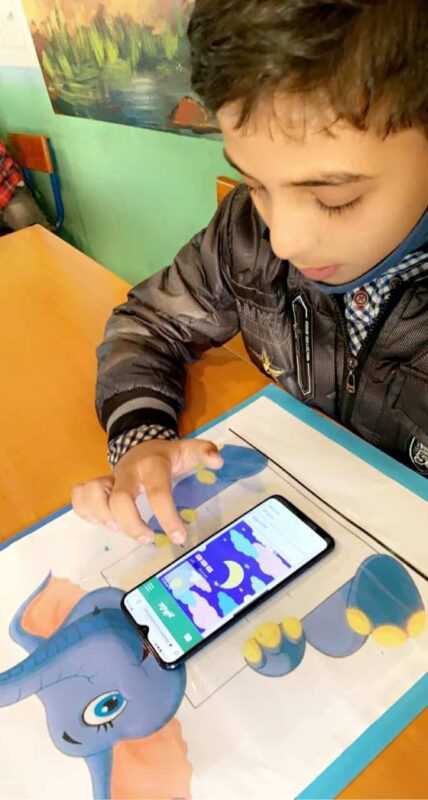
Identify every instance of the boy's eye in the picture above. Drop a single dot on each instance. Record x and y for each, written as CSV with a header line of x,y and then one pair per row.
x,y
331,210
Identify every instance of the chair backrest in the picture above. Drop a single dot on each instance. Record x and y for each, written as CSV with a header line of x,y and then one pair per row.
x,y
224,186
31,151
34,152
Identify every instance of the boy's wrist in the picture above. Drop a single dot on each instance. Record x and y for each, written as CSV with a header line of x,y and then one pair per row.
x,y
120,445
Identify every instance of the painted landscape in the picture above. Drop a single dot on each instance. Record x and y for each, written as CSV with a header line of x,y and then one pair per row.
x,y
122,61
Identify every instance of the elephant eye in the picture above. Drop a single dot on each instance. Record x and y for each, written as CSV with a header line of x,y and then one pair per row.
x,y
104,708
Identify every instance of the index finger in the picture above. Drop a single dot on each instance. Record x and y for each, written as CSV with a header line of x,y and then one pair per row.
x,y
127,516
157,484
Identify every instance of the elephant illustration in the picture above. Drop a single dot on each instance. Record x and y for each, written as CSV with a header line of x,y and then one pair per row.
x,y
97,684
381,601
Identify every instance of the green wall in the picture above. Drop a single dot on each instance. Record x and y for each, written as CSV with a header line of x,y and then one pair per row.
x,y
132,197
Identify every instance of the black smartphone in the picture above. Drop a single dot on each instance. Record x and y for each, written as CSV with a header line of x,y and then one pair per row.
x,y
187,604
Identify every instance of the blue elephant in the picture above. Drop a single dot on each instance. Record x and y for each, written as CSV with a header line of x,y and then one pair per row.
x,y
381,601
96,682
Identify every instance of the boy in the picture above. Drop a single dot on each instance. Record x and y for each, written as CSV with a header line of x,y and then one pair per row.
x,y
18,209
320,259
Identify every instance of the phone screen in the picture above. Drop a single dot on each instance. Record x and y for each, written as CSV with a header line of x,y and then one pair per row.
x,y
203,590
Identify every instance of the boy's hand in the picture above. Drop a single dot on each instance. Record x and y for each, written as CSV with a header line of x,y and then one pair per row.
x,y
148,467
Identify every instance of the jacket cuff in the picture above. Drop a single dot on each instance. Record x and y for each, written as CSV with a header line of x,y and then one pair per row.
x,y
131,410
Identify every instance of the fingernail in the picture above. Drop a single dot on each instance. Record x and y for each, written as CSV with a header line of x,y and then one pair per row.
x,y
177,537
112,526
144,539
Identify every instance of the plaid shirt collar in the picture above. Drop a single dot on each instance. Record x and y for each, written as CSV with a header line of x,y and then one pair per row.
x,y
362,305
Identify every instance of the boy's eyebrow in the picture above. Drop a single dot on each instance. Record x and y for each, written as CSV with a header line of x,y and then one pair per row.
x,y
332,179
324,179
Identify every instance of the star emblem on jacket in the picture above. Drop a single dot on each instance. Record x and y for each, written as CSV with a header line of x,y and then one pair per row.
x,y
267,365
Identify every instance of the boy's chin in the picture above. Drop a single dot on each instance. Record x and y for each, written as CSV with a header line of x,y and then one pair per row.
x,y
350,277
334,274
344,276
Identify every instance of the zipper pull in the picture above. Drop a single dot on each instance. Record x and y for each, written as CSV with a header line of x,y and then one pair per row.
x,y
350,378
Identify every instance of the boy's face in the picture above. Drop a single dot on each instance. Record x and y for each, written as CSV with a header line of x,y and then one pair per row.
x,y
336,202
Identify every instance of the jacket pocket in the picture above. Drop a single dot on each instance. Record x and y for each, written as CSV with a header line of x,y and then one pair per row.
x,y
395,418
412,399
404,419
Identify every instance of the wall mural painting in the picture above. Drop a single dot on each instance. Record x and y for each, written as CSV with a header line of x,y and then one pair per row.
x,y
124,61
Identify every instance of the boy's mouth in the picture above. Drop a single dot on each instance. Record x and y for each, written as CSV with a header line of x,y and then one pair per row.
x,y
320,273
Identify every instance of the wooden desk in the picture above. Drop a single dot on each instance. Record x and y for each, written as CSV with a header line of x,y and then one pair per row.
x,y
54,305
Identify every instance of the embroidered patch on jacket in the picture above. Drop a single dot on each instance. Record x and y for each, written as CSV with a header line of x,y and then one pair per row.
x,y
418,452
267,365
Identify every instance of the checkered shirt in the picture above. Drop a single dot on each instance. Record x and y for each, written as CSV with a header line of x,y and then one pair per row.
x,y
362,305
126,441
10,176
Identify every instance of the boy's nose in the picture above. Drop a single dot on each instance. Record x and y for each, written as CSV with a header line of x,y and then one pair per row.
x,y
292,239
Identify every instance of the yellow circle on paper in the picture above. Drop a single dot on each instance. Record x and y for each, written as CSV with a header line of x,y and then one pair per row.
x,y
358,621
416,624
160,540
268,634
252,652
206,476
389,635
188,515
292,628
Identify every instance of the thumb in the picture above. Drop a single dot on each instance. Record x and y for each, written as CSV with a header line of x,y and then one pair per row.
x,y
209,455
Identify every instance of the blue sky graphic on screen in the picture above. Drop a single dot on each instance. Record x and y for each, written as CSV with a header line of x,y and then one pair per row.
x,y
190,599
228,571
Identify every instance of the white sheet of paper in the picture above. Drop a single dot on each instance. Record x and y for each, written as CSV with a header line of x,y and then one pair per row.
x,y
369,498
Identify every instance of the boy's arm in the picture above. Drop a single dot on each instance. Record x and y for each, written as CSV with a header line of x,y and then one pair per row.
x,y
169,320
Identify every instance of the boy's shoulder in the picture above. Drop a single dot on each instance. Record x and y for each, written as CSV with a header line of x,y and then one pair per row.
x,y
239,209
246,233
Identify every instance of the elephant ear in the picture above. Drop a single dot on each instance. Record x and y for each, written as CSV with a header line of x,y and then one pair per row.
x,y
156,766
50,608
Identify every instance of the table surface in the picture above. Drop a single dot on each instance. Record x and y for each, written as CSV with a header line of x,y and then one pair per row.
x,y
54,305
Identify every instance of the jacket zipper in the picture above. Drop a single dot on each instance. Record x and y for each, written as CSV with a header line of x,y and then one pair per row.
x,y
354,364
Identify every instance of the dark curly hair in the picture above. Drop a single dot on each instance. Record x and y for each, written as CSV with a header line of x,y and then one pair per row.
x,y
365,59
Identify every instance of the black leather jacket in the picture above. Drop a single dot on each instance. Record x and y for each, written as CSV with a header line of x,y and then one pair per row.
x,y
227,279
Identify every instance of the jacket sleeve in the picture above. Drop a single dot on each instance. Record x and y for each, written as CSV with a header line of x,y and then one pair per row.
x,y
168,321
